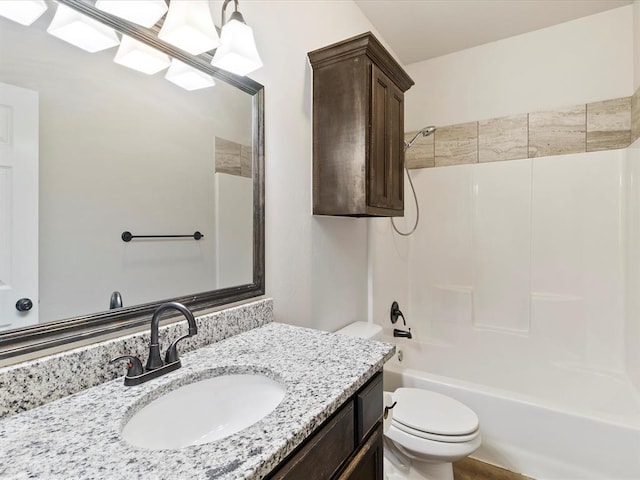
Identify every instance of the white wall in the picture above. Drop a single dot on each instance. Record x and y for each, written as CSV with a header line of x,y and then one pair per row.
x,y
234,230
636,43
633,229
633,264
586,60
529,250
316,267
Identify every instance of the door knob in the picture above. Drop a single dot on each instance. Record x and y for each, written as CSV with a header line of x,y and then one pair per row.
x,y
24,305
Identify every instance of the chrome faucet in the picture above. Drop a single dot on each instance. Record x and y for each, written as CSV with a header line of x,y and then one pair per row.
x,y
155,367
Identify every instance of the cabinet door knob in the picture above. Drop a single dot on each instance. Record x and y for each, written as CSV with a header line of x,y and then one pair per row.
x,y
24,305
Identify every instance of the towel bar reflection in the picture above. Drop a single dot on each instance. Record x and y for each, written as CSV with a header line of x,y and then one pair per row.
x,y
128,236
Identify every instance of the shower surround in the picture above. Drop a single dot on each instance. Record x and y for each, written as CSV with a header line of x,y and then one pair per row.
x,y
522,278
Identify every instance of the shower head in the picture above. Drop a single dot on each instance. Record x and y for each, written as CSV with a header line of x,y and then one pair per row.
x,y
425,132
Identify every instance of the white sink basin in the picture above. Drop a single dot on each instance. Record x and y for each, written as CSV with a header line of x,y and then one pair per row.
x,y
203,411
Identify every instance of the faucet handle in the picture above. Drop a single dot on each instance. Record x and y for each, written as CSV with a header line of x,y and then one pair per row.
x,y
395,313
134,365
172,352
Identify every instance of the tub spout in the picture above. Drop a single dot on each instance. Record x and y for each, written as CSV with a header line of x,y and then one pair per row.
x,y
402,333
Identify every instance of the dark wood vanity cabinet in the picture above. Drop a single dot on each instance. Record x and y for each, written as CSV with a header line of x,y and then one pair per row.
x,y
358,129
348,446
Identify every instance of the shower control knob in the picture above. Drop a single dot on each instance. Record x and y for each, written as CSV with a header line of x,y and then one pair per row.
x,y
396,313
24,305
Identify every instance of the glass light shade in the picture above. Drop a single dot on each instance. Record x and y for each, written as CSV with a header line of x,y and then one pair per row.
x,y
188,77
25,12
238,53
143,12
141,57
189,26
81,31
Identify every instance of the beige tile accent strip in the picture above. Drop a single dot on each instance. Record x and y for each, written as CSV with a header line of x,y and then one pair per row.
x,y
503,138
457,144
246,157
422,152
605,125
609,124
635,116
557,132
232,158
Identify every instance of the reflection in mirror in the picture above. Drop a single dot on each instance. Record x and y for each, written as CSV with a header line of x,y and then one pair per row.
x,y
90,149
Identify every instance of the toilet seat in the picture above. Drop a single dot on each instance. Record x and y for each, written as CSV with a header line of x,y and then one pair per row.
x,y
435,437
433,416
429,450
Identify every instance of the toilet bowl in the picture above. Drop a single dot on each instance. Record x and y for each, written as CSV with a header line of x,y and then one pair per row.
x,y
429,431
425,431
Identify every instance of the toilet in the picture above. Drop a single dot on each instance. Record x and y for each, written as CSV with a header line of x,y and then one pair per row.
x,y
426,431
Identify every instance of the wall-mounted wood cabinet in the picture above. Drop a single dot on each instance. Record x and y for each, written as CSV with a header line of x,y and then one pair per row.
x,y
358,129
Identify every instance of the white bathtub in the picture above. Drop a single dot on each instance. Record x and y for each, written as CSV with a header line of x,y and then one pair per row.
x,y
558,423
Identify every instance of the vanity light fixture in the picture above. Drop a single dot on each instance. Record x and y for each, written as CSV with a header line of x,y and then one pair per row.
x,y
143,12
140,56
189,26
237,53
187,77
81,31
25,12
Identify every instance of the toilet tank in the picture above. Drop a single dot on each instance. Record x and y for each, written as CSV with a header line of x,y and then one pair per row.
x,y
370,331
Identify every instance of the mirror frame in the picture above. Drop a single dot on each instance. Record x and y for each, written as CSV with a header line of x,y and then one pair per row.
x,y
53,334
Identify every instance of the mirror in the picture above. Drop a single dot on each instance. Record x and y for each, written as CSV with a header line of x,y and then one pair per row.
x,y
93,153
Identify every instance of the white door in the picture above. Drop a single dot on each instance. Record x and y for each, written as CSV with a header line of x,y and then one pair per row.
x,y
18,207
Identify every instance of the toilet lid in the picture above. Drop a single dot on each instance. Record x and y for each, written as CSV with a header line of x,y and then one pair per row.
x,y
433,413
435,437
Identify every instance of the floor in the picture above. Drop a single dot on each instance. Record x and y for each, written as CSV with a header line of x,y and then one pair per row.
x,y
470,469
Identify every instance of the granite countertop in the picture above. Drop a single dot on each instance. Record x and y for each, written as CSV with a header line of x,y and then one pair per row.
x,y
78,437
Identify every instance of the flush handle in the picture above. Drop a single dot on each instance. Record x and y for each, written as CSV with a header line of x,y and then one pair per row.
x,y
386,410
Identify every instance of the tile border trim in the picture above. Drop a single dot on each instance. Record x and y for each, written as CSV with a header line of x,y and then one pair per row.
x,y
597,126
